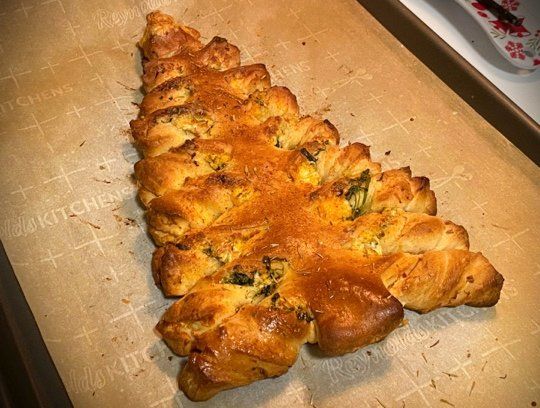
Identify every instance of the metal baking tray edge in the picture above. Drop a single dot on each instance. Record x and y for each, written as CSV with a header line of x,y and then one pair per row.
x,y
28,376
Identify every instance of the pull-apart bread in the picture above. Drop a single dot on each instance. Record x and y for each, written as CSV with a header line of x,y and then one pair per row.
x,y
270,234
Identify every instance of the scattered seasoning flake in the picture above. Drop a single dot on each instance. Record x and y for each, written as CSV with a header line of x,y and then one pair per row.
x,y
368,353
382,405
433,384
89,223
472,387
170,358
504,377
447,402
129,88
434,344
102,181
417,373
126,301
424,357
387,153
533,404
484,366
450,374
84,141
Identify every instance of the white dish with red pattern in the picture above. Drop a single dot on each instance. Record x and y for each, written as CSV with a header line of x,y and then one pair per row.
x,y
518,44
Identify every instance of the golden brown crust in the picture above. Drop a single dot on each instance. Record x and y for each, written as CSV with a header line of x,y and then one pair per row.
x,y
169,171
274,235
351,309
217,55
206,87
257,343
163,37
177,268
196,205
443,278
396,230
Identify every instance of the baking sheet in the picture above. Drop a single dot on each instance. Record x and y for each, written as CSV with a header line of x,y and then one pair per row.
x,y
76,236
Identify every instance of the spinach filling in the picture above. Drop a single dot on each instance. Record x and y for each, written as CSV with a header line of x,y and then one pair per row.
x,y
311,158
264,281
239,278
275,268
215,162
302,314
267,289
358,193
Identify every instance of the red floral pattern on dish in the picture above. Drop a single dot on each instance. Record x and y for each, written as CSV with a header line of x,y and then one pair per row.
x,y
513,30
515,50
478,6
511,5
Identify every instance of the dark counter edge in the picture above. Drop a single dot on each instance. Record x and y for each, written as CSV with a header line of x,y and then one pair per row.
x,y
475,89
28,376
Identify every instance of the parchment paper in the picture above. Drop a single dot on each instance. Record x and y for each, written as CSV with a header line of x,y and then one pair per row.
x,y
76,237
